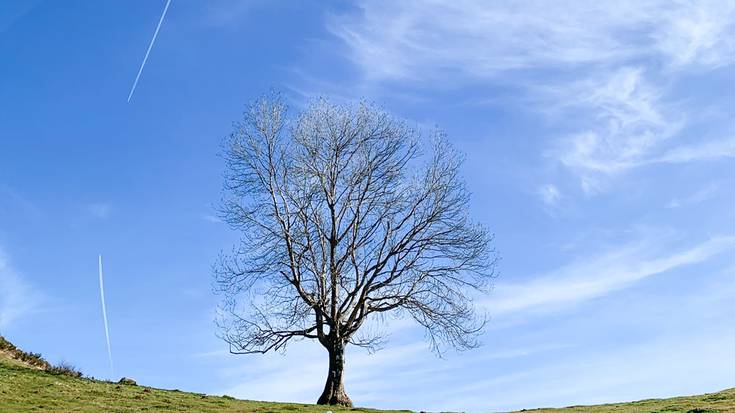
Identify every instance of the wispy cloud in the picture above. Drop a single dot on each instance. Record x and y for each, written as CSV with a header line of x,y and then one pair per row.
x,y
579,368
716,149
597,61
211,218
413,366
549,194
417,40
627,120
696,33
658,368
17,297
598,276
697,197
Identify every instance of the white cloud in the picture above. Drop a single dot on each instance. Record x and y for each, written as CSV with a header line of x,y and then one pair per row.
x,y
572,362
474,38
630,126
696,198
299,375
211,218
628,122
699,33
622,119
597,276
659,368
711,150
423,40
657,363
17,298
549,194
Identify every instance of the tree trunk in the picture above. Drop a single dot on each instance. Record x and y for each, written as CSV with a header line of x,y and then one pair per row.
x,y
334,389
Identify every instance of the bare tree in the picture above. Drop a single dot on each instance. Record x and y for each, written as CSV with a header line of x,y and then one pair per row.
x,y
343,219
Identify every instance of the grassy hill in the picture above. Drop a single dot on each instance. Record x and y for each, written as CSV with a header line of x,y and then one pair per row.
x,y
723,401
28,383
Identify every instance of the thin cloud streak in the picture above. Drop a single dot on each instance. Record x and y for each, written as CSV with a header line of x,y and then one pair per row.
x,y
717,149
696,198
596,277
104,317
150,46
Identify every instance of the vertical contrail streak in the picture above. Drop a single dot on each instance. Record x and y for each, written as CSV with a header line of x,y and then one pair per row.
x,y
104,317
150,46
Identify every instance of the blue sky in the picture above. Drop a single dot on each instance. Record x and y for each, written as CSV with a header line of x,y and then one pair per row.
x,y
600,151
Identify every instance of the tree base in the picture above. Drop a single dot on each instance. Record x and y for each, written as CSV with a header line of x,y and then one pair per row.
x,y
339,399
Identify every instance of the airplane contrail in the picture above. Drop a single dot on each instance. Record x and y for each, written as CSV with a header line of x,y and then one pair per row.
x,y
104,317
150,46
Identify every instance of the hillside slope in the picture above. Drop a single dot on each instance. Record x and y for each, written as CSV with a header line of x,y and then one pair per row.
x,y
28,383
24,389
719,402
27,387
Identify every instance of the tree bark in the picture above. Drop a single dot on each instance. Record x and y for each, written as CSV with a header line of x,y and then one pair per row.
x,y
334,389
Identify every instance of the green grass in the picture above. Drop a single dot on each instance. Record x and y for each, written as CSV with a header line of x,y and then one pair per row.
x,y
723,401
24,389
27,389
